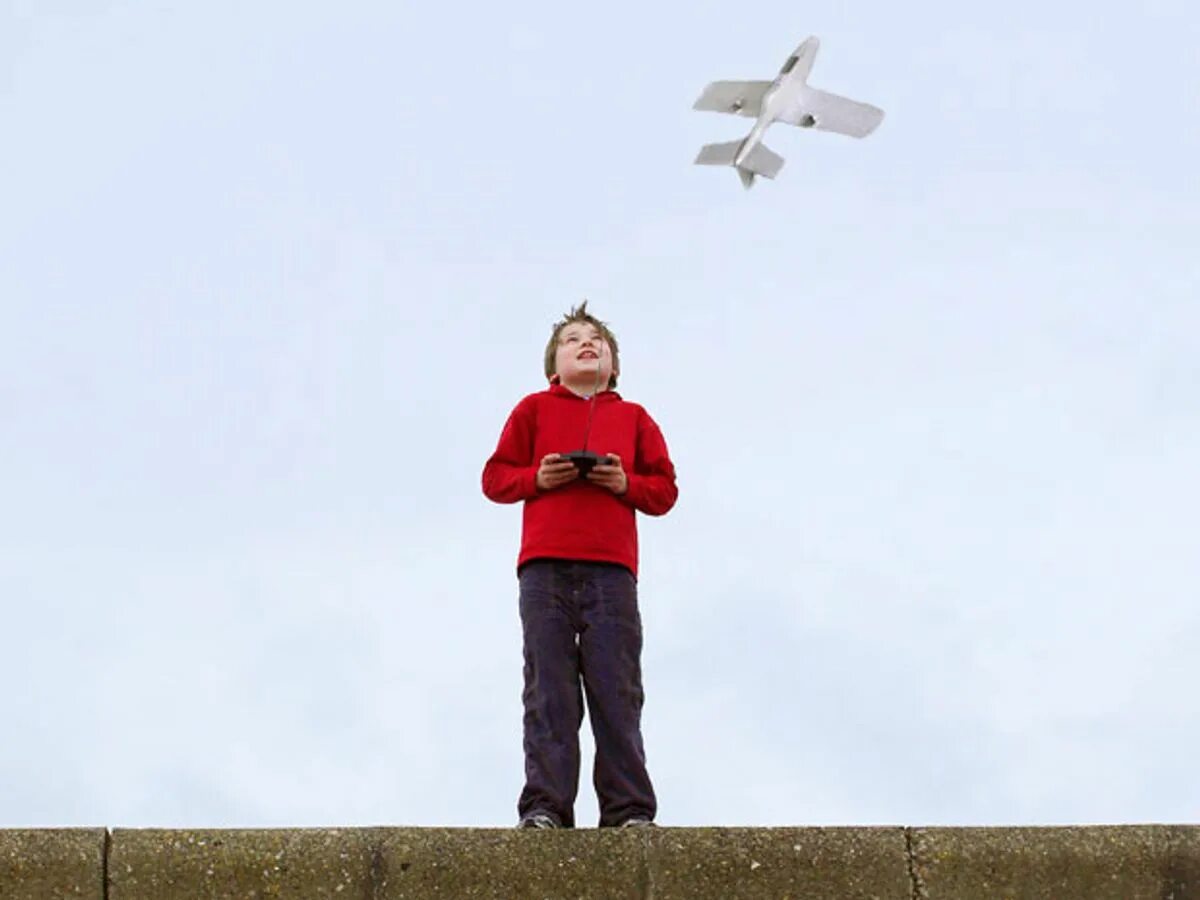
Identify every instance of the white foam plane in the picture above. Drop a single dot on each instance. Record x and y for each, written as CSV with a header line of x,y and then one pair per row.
x,y
786,99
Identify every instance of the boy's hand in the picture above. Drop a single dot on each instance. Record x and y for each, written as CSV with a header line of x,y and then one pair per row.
x,y
555,471
610,474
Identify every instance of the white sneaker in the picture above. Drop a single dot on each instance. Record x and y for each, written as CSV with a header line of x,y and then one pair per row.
x,y
637,822
537,820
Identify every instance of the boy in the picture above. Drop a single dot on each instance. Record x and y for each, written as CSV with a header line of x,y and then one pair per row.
x,y
577,571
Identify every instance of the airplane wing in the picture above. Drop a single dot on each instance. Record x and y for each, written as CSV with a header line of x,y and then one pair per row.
x,y
740,97
829,112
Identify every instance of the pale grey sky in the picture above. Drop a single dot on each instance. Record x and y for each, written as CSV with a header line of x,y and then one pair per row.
x,y
272,276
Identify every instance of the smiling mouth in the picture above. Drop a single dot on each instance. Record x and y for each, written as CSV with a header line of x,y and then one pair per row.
x,y
588,355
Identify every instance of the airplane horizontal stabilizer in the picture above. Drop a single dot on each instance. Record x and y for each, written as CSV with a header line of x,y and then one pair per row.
x,y
718,154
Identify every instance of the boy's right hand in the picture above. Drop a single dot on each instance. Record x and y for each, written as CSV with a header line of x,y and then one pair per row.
x,y
555,472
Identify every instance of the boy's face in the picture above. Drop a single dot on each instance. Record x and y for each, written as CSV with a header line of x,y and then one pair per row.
x,y
582,351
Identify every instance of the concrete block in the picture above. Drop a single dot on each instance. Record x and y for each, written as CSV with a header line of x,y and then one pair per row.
x,y
52,864
158,864
506,864
1128,862
779,863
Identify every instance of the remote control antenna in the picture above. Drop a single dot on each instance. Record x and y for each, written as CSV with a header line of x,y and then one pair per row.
x,y
585,459
595,390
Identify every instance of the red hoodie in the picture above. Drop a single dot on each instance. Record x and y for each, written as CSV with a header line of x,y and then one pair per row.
x,y
580,520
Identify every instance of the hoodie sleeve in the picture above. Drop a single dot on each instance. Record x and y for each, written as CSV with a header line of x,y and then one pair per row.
x,y
652,487
510,474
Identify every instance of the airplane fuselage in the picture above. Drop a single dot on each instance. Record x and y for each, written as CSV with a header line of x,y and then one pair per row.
x,y
785,91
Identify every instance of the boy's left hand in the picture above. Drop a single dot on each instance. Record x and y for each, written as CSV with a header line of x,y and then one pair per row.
x,y
610,475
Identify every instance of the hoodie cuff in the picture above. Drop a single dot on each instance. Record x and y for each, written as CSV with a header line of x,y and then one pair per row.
x,y
633,489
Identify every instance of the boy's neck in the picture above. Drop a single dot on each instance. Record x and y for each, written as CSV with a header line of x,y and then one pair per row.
x,y
584,387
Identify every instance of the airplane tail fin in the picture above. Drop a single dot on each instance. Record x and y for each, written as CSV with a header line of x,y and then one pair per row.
x,y
764,162
760,160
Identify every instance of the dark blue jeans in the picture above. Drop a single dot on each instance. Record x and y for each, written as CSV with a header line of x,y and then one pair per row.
x,y
583,635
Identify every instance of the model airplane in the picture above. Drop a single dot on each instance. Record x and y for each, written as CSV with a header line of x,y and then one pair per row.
x,y
786,99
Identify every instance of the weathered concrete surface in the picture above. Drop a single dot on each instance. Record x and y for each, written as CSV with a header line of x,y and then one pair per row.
x,y
777,863
1128,862
437,863
381,864
1136,862
299,863
404,863
50,864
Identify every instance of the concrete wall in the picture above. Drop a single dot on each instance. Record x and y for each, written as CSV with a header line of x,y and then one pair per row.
x,y
1112,863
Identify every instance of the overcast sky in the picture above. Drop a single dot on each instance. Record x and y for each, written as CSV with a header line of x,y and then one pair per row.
x,y
272,275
